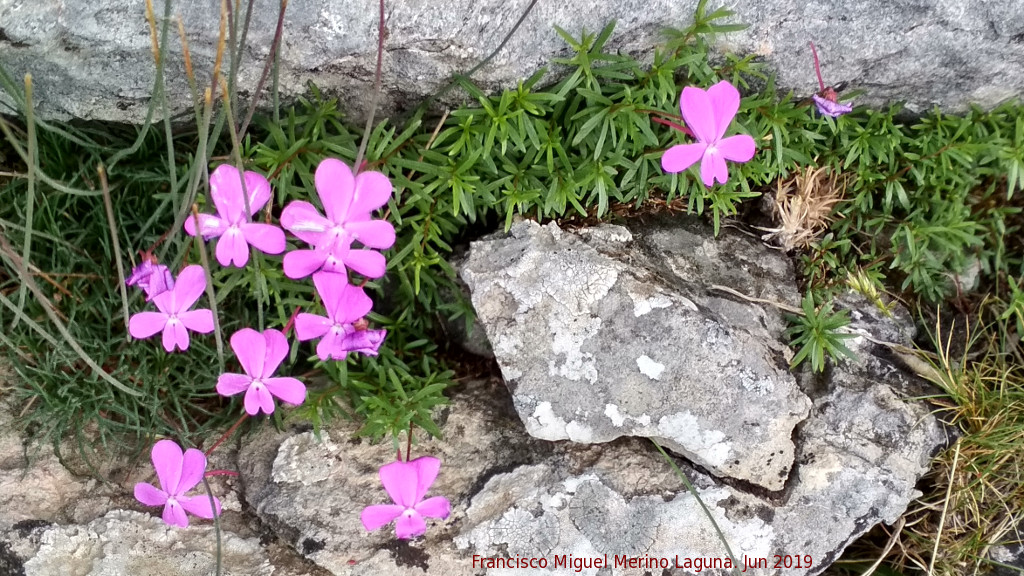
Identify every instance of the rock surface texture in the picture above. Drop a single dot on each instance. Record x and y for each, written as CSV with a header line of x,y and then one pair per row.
x,y
93,60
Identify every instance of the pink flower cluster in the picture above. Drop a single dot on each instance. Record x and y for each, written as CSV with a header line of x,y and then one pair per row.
x,y
349,202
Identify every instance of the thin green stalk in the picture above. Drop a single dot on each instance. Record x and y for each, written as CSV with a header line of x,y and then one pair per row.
x,y
14,348
216,523
29,321
5,246
201,243
236,57
109,207
707,512
30,199
24,155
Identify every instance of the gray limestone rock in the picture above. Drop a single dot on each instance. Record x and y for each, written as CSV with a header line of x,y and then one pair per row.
x,y
125,542
599,337
92,59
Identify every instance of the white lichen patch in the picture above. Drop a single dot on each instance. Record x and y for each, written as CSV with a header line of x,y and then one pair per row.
x,y
303,458
650,368
612,412
544,424
644,304
579,432
568,333
708,445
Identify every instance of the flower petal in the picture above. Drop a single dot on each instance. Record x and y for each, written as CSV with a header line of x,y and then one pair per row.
x,y
251,349
145,324
226,193
258,188
372,190
373,233
410,525
288,390
193,467
258,398
301,263
211,226
698,114
426,473
265,237
229,384
369,263
378,515
167,460
365,342
330,348
277,351
175,336
334,185
738,148
332,289
150,495
199,505
310,326
436,507
830,107
303,220
713,167
174,514
232,249
682,156
400,482
187,289
197,320
725,102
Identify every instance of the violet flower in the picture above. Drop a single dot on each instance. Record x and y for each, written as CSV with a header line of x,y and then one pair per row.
x,y
231,223
826,99
341,331
174,317
406,483
348,201
151,278
709,114
178,473
260,355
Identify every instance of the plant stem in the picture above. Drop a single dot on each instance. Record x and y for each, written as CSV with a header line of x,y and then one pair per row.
x,y
209,287
817,67
30,200
109,208
271,59
227,434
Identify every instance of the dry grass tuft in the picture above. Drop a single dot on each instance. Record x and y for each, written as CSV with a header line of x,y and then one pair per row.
x,y
803,207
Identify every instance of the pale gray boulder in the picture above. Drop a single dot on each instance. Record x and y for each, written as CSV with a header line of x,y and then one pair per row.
x,y
599,337
92,59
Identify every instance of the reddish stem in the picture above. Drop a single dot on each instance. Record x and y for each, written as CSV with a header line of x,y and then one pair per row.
x,y
671,124
221,473
817,67
291,321
408,443
226,434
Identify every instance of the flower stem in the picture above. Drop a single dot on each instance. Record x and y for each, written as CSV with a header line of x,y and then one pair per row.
x,y
671,124
408,443
227,434
109,208
817,67
221,473
209,287
271,58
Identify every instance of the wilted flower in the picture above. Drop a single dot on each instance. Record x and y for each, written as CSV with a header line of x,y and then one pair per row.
x,y
406,483
151,278
231,223
348,202
260,355
826,99
178,473
346,305
174,317
708,114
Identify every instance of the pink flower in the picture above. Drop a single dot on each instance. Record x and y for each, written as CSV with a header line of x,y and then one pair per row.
x,y
341,330
260,355
348,202
151,278
709,114
177,474
406,483
174,316
826,99
231,223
